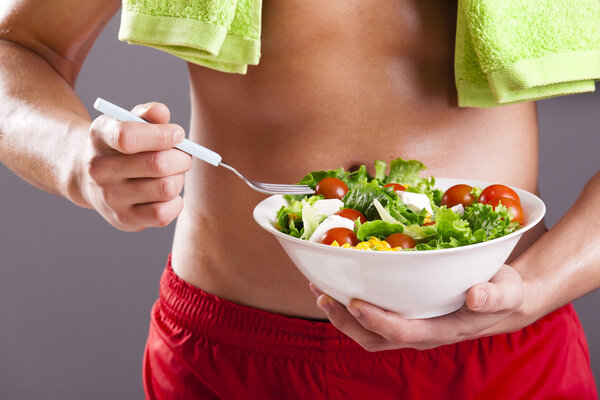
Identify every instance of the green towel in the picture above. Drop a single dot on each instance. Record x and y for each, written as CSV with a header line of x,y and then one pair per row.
x,y
220,34
509,51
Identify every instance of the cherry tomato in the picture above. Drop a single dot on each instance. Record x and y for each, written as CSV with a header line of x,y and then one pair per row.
x,y
401,240
352,215
514,208
458,194
331,188
397,187
497,191
340,235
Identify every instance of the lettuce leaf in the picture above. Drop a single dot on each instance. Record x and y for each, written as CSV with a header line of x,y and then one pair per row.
x,y
310,219
476,192
289,218
450,227
379,229
317,176
479,223
427,186
357,178
405,172
383,213
420,233
361,197
435,245
403,214
380,168
488,223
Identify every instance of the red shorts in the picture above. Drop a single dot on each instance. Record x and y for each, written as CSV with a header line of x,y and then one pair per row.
x,y
203,347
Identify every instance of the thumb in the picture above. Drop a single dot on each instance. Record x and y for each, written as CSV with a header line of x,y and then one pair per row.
x,y
504,292
156,113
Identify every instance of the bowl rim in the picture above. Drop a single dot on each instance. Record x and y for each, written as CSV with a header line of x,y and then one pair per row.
x,y
530,224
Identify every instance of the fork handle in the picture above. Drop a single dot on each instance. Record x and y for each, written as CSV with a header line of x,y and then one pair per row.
x,y
192,148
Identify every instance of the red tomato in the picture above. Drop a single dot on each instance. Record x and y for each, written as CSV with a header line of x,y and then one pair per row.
x,y
340,235
352,215
429,223
397,187
458,194
401,240
331,188
497,191
514,208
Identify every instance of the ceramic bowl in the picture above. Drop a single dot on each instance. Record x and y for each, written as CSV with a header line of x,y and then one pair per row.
x,y
416,284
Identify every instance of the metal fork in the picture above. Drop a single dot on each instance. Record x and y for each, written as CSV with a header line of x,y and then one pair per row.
x,y
204,154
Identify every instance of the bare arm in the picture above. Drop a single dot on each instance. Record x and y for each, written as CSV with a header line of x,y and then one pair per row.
x,y
128,172
44,124
564,264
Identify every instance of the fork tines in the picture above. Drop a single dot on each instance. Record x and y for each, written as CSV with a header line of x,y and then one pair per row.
x,y
284,189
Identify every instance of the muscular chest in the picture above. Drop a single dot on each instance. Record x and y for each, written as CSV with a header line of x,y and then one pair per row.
x,y
360,61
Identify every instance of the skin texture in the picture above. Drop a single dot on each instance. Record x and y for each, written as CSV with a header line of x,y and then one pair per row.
x,y
344,92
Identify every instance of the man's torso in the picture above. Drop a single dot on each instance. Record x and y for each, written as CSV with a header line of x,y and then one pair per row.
x,y
340,84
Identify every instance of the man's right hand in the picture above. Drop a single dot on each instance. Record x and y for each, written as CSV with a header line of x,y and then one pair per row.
x,y
131,173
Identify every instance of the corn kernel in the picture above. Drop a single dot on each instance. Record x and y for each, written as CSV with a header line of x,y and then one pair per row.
x,y
397,248
363,246
346,246
335,244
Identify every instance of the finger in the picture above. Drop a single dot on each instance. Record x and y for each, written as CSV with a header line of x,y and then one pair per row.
x,y
134,137
398,331
504,292
156,113
314,289
504,295
124,195
346,323
421,334
157,214
144,191
154,164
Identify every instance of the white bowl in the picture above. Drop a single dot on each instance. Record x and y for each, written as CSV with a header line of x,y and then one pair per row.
x,y
416,284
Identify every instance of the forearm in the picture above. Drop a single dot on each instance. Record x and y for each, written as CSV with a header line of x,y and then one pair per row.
x,y
44,125
564,264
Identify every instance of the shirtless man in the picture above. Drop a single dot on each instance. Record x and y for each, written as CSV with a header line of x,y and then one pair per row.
x,y
354,91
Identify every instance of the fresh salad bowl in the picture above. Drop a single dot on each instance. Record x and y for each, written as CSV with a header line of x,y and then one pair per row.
x,y
414,284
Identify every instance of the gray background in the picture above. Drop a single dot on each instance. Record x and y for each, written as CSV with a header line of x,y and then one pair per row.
x,y
75,293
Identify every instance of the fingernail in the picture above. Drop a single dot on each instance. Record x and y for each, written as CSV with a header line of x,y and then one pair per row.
x,y
178,135
324,304
355,312
142,108
481,298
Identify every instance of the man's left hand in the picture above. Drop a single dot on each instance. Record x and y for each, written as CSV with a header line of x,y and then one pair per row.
x,y
492,307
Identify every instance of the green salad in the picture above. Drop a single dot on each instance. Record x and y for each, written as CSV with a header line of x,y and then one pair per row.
x,y
397,210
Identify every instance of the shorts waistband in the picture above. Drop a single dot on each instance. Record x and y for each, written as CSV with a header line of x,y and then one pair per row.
x,y
210,316
213,318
